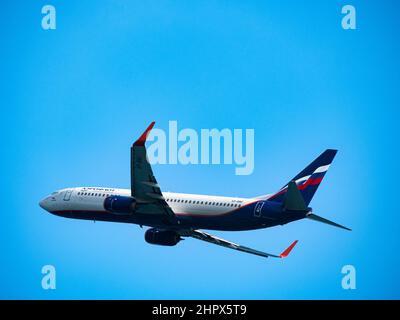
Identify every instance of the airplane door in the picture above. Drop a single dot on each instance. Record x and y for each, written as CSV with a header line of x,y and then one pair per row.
x,y
258,208
67,195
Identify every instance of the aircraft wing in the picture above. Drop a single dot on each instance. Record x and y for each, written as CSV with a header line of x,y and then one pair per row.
x,y
144,186
201,235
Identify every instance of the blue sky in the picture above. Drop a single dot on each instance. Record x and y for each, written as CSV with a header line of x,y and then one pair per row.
x,y
75,98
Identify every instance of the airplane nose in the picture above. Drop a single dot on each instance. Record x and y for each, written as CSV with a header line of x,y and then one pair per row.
x,y
44,205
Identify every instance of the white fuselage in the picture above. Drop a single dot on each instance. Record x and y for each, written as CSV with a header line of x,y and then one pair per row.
x,y
92,199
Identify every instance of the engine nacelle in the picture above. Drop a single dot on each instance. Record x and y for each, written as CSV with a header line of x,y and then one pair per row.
x,y
162,237
120,205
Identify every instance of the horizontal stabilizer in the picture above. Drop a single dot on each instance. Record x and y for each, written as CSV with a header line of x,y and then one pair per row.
x,y
314,217
293,198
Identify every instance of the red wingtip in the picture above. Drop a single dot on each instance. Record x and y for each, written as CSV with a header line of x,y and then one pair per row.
x,y
143,137
285,253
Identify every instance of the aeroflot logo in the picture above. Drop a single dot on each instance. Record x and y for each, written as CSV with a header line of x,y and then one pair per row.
x,y
209,146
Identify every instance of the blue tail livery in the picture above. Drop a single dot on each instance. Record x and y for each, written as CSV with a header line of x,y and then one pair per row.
x,y
309,179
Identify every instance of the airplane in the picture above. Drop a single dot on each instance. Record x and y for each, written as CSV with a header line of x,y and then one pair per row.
x,y
175,216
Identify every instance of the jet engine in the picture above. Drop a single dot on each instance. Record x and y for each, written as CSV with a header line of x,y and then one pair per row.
x,y
120,205
162,237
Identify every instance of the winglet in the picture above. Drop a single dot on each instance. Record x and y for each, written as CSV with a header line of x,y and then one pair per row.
x,y
285,253
142,139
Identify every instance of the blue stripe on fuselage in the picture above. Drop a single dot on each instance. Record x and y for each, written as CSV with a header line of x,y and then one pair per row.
x,y
239,219
242,218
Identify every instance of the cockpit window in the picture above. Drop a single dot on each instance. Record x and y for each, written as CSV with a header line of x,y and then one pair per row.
x,y
54,193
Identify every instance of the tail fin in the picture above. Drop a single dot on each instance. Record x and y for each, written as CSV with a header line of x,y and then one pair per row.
x,y
308,180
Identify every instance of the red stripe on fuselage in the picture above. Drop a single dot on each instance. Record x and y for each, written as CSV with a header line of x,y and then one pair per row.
x,y
177,214
214,215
